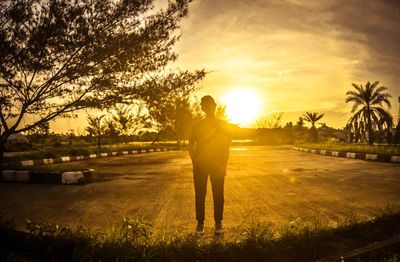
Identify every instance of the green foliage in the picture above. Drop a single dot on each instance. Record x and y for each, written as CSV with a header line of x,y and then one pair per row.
x,y
312,117
57,57
128,119
338,146
304,239
85,150
172,111
17,146
95,126
371,99
78,151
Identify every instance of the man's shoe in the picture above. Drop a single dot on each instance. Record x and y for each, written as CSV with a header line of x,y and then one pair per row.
x,y
200,229
218,228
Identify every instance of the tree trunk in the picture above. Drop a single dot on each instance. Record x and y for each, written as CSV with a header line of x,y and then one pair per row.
x,y
98,141
313,133
177,138
397,134
157,138
369,128
3,141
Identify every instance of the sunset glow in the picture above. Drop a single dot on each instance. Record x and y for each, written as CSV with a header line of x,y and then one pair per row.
x,y
243,106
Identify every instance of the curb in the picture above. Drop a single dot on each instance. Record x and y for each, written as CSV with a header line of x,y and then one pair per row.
x,y
47,161
351,155
48,177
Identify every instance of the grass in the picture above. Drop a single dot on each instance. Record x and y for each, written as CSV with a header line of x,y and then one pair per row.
x,y
84,150
374,149
133,240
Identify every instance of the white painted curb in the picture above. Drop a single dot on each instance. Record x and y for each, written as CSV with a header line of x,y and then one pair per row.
x,y
65,159
27,163
371,156
350,155
68,178
395,159
48,161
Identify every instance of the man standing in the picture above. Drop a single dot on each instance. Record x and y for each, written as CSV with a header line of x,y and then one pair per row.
x,y
209,151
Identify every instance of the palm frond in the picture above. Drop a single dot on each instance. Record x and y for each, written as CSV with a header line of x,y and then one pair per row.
x,y
357,87
355,107
384,115
373,86
319,117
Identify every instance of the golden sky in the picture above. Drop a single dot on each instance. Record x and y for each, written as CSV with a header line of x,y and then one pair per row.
x,y
297,55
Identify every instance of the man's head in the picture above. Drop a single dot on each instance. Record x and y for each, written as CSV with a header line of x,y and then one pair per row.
x,y
208,105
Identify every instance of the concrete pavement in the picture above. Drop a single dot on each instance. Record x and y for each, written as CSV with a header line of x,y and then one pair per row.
x,y
262,184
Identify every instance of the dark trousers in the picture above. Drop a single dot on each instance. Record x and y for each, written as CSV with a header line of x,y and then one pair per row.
x,y
200,177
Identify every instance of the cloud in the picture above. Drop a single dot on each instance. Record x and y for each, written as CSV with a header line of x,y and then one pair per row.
x,y
301,53
375,25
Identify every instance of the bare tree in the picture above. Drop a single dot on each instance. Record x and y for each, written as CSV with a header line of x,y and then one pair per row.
x,y
129,119
273,120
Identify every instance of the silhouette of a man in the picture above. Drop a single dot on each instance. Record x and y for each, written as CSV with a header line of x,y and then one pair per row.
x,y
209,151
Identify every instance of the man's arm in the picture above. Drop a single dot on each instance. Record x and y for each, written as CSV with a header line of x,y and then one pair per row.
x,y
228,140
191,148
192,144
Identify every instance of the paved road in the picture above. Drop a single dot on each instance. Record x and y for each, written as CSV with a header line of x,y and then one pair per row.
x,y
262,184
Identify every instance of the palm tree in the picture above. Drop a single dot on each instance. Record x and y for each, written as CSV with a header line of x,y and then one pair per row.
x,y
313,118
371,99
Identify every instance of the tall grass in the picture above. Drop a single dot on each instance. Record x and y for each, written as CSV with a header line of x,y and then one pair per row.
x,y
306,239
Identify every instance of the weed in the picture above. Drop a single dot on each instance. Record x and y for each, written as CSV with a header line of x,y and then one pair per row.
x,y
304,239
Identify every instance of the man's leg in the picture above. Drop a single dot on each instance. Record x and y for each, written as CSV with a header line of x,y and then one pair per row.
x,y
217,183
200,189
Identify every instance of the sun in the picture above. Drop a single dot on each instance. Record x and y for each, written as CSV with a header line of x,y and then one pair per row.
x,y
243,106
